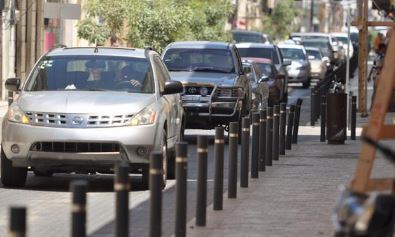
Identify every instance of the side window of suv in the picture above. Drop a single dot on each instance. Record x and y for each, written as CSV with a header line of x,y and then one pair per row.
x,y
161,73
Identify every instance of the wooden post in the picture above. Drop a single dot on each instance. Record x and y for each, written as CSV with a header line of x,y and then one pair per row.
x,y
362,56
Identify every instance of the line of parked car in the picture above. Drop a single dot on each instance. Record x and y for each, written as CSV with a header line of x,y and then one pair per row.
x,y
82,109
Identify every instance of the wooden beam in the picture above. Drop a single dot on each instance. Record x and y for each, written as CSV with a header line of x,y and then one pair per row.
x,y
382,184
387,132
375,23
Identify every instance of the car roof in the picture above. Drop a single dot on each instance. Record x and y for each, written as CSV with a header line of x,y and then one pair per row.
x,y
313,40
290,46
312,49
101,51
254,45
339,34
258,60
310,34
199,45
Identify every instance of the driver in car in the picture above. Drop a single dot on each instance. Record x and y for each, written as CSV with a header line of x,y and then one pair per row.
x,y
134,74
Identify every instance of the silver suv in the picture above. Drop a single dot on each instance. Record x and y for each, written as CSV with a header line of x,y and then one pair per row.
x,y
83,109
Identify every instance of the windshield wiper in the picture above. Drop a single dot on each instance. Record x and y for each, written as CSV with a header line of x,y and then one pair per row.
x,y
96,89
209,69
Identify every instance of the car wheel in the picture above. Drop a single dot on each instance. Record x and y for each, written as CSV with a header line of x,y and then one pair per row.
x,y
306,84
145,170
42,173
11,176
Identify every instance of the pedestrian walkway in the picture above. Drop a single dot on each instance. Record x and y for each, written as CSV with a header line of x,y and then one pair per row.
x,y
295,197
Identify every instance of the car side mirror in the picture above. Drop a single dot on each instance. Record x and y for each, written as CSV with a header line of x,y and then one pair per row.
x,y
13,84
311,57
173,87
287,62
263,78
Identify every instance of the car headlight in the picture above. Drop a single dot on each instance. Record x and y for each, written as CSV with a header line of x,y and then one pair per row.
x,y
145,117
16,115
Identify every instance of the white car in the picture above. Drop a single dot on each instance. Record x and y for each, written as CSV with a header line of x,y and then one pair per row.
x,y
318,63
340,39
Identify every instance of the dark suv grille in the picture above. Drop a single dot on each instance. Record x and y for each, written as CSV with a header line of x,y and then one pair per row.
x,y
75,147
195,90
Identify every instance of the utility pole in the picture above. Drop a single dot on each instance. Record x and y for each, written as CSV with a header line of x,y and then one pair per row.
x,y
311,16
362,56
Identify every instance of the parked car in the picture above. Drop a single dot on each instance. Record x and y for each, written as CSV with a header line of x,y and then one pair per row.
x,y
272,52
244,36
271,76
318,63
216,90
84,109
299,70
341,39
259,85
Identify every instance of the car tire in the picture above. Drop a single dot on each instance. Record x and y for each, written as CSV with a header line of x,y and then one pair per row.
x,y
11,176
146,168
306,84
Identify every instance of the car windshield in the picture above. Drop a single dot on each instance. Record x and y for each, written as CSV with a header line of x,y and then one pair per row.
x,y
92,73
293,54
268,53
314,53
344,40
204,60
265,68
248,38
317,44
317,37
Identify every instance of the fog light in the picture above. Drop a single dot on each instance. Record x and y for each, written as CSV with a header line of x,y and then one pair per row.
x,y
141,151
15,148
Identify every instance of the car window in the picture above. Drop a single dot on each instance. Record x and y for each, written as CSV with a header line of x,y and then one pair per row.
x,y
90,73
266,69
241,37
318,44
256,52
316,54
205,60
293,54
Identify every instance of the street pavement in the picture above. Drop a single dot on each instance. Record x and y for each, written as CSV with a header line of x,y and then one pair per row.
x,y
297,192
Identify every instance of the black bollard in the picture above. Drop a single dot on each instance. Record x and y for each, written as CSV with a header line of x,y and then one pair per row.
x,y
201,182
288,144
232,170
323,119
312,107
296,121
283,122
245,152
262,140
269,136
155,187
219,168
78,208
255,146
181,189
17,222
353,117
276,132
122,187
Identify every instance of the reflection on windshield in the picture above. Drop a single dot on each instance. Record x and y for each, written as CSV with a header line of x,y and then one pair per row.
x,y
293,54
92,73
315,54
203,60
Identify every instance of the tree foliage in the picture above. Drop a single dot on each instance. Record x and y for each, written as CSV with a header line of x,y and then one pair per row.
x,y
155,23
280,23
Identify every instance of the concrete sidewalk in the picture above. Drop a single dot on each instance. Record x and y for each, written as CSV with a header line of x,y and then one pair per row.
x,y
295,197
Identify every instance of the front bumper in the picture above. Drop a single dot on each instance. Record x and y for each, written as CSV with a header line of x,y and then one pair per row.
x,y
298,76
128,138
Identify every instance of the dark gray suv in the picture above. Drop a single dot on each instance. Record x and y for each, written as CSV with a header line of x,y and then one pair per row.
x,y
216,90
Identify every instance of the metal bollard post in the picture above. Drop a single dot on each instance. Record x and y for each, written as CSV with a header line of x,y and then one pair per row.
x,y
10,97
181,189
201,182
283,122
255,146
312,107
78,208
219,168
155,186
276,132
232,170
245,152
296,121
353,117
317,104
288,144
262,140
323,118
122,187
17,222
269,137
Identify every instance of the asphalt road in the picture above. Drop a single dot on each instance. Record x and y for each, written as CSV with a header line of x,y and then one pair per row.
x,y
48,199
